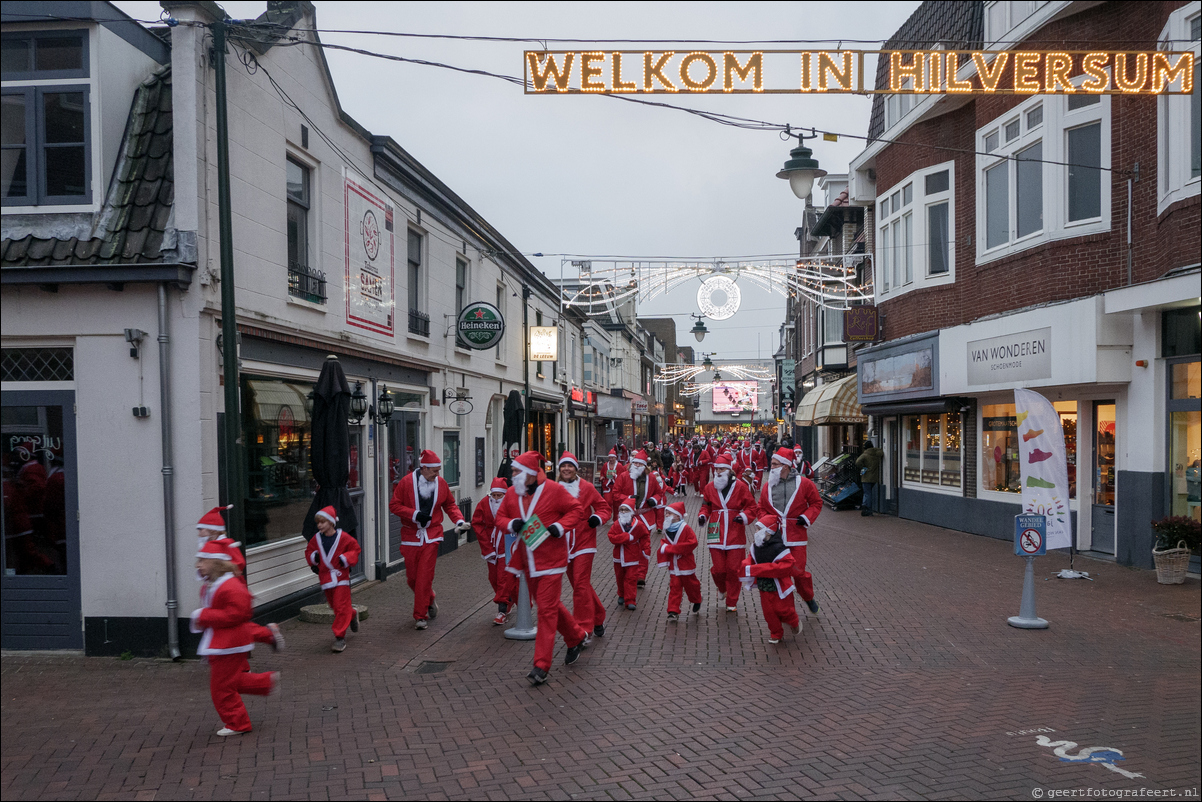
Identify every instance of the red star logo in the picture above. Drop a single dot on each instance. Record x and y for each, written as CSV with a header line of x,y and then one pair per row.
x,y
479,314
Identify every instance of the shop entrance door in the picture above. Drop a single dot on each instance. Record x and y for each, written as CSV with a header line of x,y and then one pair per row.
x,y
39,588
887,497
404,452
1103,477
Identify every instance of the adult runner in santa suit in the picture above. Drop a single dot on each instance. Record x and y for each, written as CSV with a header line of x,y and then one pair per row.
x,y
533,504
794,499
492,549
582,546
421,500
727,506
646,495
609,477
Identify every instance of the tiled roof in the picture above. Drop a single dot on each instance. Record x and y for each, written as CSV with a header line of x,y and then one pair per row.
x,y
131,226
958,25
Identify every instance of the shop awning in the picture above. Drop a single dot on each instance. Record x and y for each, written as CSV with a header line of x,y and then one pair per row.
x,y
279,402
834,403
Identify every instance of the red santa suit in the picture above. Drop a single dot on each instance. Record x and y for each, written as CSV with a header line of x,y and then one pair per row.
x,y
421,529
701,468
225,640
582,549
759,461
492,548
724,514
211,528
647,497
677,553
545,565
609,478
333,566
627,539
770,566
799,512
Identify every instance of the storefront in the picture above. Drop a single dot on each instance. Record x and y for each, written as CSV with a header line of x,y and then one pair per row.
x,y
542,428
613,417
582,414
640,421
831,416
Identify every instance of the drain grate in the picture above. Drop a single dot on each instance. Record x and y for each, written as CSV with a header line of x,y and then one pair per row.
x,y
431,667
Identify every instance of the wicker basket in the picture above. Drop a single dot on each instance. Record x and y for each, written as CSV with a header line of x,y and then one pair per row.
x,y
1171,564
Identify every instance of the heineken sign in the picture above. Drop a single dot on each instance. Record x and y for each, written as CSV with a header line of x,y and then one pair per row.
x,y
480,326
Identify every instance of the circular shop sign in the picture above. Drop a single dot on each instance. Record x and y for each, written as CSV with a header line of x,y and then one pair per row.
x,y
480,326
705,297
370,230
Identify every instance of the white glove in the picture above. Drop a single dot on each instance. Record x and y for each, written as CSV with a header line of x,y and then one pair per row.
x,y
462,526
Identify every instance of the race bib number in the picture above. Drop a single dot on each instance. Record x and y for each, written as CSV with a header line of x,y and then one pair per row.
x,y
713,532
534,533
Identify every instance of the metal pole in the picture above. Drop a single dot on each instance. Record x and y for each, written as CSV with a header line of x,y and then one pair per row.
x,y
168,475
379,434
1026,618
229,324
526,362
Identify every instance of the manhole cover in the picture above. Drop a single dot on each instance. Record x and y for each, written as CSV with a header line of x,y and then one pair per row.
x,y
431,667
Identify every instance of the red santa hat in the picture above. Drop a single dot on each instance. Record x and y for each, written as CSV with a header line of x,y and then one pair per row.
x,y
723,462
530,462
429,459
764,528
677,508
569,458
640,457
498,486
784,456
627,502
613,453
329,513
212,519
218,550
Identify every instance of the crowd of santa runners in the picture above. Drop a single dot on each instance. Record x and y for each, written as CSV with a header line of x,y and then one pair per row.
x,y
543,522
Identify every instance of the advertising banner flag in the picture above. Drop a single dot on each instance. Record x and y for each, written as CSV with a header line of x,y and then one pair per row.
x,y
370,235
1044,465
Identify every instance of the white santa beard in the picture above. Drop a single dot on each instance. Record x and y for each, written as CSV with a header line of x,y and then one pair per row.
x,y
572,487
494,504
426,488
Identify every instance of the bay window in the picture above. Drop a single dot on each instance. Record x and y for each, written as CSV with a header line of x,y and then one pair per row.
x,y
1179,117
916,228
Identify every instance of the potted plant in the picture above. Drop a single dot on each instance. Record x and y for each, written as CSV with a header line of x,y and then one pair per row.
x,y
1176,537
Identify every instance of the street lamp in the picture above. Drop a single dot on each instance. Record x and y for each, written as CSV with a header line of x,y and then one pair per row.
x,y
699,330
801,168
379,414
707,363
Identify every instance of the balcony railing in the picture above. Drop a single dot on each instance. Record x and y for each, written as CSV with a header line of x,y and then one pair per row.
x,y
419,323
306,283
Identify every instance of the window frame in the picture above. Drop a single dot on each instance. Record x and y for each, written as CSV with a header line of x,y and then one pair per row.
x,y
34,74
1174,117
913,257
35,147
923,435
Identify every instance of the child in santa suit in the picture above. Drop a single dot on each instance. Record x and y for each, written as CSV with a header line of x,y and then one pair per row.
x,y
676,553
211,529
769,566
582,546
627,537
421,500
540,513
609,478
642,486
222,622
331,553
492,548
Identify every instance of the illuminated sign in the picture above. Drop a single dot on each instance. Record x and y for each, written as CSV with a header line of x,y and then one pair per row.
x,y
729,290
736,396
919,72
544,343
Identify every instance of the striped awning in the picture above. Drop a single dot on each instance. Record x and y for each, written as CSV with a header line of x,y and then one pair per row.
x,y
830,404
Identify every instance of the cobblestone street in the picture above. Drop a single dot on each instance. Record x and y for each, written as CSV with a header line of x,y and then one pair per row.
x,y
908,684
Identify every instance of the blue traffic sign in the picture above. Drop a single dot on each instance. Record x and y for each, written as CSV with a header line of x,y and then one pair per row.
x,y
1030,535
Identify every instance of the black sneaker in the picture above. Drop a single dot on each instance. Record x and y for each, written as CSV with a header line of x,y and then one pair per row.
x,y
696,607
813,605
642,583
573,653
433,609
355,622
599,630
630,607
537,676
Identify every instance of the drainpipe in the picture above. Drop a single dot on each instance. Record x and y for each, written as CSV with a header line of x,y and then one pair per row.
x,y
168,474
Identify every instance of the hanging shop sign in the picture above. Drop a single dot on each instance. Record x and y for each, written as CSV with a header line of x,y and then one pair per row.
x,y
369,257
861,324
713,286
544,343
480,326
913,72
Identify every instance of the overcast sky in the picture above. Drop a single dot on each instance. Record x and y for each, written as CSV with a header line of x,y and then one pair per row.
x,y
594,175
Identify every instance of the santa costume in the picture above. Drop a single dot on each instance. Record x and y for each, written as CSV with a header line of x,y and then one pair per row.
x,y
727,506
541,513
626,535
676,553
796,502
421,504
211,529
769,566
492,548
582,548
332,557
647,494
225,640
609,478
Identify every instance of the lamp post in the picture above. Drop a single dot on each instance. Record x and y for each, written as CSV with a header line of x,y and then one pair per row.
x,y
699,330
801,168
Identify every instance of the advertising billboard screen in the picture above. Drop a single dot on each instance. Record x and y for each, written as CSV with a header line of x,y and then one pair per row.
x,y
736,396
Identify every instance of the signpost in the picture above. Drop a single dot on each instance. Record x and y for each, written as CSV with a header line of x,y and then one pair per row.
x,y
1030,541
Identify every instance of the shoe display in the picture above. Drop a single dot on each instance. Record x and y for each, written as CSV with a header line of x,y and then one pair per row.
x,y
537,676
422,624
339,645
573,654
599,630
673,617
277,638
355,622
696,607
813,605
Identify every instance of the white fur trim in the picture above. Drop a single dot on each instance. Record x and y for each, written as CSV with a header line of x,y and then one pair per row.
x,y
322,513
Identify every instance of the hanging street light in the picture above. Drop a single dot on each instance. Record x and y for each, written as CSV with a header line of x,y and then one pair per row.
x,y
801,168
699,330
707,363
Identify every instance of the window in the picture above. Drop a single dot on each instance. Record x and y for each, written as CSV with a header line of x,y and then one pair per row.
x,y
916,229
450,458
461,292
998,464
45,130
1179,117
501,309
832,326
1024,198
304,281
937,237
933,450
538,321
277,434
419,321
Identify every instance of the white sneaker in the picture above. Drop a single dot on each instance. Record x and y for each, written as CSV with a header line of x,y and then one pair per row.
x,y
774,640
225,731
732,609
422,624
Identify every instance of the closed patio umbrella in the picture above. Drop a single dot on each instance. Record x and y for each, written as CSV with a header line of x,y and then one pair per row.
x,y
329,450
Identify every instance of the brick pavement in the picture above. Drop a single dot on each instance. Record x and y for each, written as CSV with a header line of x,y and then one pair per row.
x,y
907,685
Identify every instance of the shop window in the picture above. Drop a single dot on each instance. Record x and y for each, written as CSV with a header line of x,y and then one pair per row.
x,y
1181,332
276,430
1185,439
933,450
999,466
1068,424
450,458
